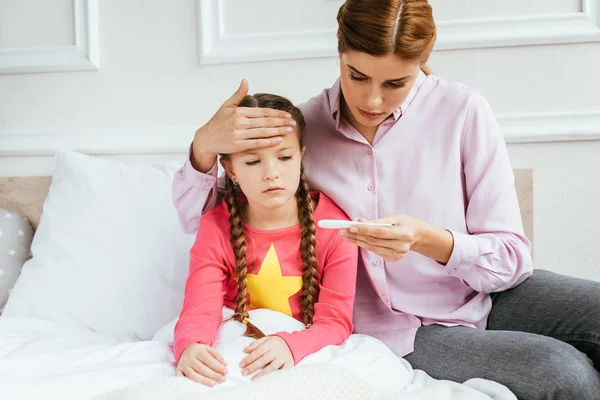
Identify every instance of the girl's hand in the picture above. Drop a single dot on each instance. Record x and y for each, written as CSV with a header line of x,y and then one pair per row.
x,y
203,364
233,129
269,353
392,243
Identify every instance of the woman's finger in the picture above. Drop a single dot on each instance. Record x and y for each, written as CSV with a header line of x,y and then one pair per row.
x,y
255,112
258,143
384,252
373,241
260,133
382,232
264,122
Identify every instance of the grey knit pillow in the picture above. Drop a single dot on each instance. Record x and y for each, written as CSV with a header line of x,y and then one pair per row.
x,y
16,235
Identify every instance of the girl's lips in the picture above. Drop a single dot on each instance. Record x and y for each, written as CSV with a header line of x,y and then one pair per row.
x,y
271,190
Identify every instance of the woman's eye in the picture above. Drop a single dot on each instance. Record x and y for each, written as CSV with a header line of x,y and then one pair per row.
x,y
285,158
254,162
396,85
356,78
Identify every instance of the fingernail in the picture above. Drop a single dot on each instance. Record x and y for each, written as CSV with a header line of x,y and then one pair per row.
x,y
344,233
293,122
288,115
353,229
288,129
244,372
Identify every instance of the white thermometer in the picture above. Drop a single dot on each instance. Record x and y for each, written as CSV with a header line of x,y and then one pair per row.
x,y
340,224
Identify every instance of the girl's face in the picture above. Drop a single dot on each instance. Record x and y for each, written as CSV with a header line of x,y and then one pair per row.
x,y
373,87
268,177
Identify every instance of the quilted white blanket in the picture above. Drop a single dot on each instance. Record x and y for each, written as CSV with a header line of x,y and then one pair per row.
x,y
43,360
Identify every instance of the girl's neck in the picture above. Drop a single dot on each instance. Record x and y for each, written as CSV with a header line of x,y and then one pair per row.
x,y
268,219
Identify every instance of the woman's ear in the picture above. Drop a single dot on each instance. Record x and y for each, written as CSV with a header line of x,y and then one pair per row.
x,y
228,169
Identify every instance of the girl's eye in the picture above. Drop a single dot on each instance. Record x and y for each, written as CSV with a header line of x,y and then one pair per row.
x,y
356,78
252,162
285,158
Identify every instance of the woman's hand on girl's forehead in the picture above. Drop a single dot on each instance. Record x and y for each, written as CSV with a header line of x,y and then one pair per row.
x,y
233,128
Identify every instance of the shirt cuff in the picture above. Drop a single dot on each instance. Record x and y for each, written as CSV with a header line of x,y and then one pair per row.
x,y
196,178
464,254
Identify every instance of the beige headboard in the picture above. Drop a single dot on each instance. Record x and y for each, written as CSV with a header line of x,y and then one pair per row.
x,y
27,194
24,194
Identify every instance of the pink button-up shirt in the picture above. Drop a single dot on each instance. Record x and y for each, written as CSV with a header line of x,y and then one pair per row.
x,y
441,158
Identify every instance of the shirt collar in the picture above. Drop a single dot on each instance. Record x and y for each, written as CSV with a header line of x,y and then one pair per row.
x,y
335,97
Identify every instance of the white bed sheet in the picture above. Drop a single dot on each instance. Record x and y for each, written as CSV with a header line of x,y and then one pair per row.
x,y
45,360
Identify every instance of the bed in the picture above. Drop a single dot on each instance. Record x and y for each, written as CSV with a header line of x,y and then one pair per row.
x,y
91,315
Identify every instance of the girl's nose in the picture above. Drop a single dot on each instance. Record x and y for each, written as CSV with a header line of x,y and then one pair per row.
x,y
271,171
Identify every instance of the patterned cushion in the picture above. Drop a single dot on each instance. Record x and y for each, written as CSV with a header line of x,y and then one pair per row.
x,y
16,235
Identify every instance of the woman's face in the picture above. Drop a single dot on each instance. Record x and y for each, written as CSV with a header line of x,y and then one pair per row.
x,y
373,87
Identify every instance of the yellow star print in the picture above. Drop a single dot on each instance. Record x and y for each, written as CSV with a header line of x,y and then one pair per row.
x,y
269,288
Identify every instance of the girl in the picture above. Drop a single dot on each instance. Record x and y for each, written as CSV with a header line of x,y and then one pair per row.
x,y
451,286
261,249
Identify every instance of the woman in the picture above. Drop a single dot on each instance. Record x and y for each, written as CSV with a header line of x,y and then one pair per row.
x,y
450,285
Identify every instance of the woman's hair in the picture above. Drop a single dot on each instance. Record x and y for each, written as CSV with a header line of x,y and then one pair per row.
x,y
381,27
310,277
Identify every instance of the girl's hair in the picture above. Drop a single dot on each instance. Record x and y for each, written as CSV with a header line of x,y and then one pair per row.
x,y
382,27
310,276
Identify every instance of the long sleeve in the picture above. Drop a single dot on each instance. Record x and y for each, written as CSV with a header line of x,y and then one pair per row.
x,y
195,193
332,322
205,290
494,255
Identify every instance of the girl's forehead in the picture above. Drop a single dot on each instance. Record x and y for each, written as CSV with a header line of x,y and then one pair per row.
x,y
290,141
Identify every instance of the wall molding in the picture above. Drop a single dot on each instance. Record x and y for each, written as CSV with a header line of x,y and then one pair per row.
x,y
550,127
79,57
521,128
215,47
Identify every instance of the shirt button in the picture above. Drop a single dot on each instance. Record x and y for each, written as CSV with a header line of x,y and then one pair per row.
x,y
453,271
371,187
370,152
385,298
376,262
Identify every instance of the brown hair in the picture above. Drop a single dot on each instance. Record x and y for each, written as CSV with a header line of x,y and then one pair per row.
x,y
310,276
381,27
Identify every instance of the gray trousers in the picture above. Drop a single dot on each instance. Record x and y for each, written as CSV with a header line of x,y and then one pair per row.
x,y
542,341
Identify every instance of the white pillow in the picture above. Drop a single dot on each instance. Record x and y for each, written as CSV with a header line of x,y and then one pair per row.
x,y
108,253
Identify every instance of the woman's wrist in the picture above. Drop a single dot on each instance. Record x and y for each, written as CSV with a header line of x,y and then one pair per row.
x,y
201,160
433,242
